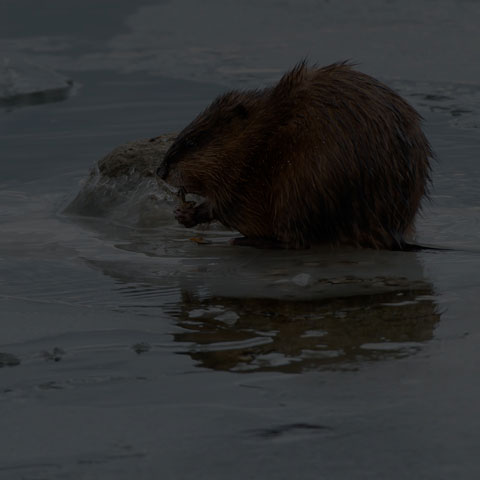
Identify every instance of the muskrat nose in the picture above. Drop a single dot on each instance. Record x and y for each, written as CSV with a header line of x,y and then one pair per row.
x,y
162,171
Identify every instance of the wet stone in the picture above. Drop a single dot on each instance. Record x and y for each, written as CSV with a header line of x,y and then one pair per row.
x,y
55,355
8,360
122,186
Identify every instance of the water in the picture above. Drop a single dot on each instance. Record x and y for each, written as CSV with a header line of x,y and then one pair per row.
x,y
143,353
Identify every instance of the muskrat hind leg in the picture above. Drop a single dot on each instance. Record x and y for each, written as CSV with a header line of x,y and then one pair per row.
x,y
189,214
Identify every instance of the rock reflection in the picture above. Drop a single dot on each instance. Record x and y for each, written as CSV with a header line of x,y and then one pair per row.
x,y
246,335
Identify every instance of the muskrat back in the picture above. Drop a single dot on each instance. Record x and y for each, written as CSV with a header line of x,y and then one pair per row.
x,y
328,155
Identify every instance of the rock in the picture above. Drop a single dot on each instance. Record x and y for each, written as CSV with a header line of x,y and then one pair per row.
x,y
302,279
24,83
55,355
141,157
122,185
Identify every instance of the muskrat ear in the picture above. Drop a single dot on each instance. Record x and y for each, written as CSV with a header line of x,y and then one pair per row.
x,y
241,111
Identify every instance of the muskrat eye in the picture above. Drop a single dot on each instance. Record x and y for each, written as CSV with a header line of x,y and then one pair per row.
x,y
190,143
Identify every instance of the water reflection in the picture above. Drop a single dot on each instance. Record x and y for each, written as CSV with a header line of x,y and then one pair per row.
x,y
246,335
229,315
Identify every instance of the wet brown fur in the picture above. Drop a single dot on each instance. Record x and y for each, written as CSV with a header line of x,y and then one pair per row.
x,y
328,155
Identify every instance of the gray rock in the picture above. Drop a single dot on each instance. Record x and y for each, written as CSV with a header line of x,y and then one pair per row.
x,y
122,186
141,157
24,83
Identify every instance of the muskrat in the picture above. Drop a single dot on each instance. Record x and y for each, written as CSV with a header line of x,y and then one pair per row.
x,y
327,155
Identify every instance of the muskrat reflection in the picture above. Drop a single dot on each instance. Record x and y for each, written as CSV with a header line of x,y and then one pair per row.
x,y
247,335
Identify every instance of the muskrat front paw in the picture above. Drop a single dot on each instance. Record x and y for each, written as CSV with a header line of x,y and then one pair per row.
x,y
185,213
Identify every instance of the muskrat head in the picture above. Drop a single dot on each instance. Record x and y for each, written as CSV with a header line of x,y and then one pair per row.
x,y
202,155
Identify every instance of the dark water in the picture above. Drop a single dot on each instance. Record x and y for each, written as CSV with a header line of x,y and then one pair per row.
x,y
133,351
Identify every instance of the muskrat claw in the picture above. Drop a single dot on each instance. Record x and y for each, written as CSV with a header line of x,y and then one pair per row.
x,y
181,194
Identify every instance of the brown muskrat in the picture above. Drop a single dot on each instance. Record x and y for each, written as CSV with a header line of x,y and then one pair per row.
x,y
328,155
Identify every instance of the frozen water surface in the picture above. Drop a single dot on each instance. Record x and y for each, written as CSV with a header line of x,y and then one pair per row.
x,y
128,349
